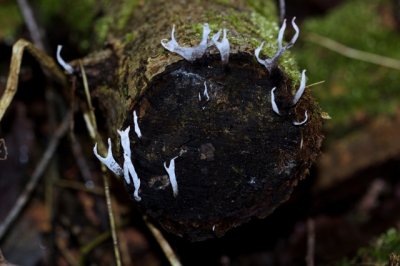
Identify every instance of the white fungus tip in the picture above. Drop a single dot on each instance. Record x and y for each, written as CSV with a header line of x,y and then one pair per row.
x,y
171,174
296,35
206,91
164,43
257,53
302,122
273,103
206,31
109,160
301,89
67,67
281,33
223,46
215,37
136,124
129,171
125,141
225,33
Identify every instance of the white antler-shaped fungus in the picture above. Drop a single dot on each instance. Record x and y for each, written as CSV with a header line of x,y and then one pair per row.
x,y
109,160
222,46
189,53
270,63
171,174
129,169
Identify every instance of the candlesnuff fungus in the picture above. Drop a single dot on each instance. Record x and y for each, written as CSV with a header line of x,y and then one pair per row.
x,y
222,46
67,67
171,174
189,53
270,63
135,122
212,108
129,169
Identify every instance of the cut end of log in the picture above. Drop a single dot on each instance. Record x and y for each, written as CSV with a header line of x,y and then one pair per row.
x,y
235,157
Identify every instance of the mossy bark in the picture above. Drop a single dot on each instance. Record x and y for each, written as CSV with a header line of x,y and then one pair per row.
x,y
235,158
133,33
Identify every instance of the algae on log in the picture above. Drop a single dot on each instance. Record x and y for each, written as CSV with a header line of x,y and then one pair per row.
x,y
235,158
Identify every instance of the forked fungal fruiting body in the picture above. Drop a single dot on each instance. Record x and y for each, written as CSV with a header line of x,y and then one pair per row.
x,y
129,169
109,160
222,46
189,53
193,53
172,176
270,63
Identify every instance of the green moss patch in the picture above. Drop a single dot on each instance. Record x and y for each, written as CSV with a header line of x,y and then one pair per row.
x,y
378,252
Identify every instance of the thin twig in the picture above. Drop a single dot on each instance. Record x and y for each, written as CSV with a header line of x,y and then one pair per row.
x,y
315,83
76,146
89,247
92,128
55,106
69,257
37,173
353,53
282,10
85,250
31,23
88,98
125,249
111,217
310,242
80,160
165,246
69,184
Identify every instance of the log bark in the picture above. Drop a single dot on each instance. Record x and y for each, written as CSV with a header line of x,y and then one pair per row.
x,y
235,158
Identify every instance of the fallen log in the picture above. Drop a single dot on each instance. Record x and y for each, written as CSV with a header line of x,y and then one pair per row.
x,y
219,136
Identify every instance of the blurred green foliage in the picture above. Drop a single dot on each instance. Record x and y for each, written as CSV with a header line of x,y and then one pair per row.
x,y
353,88
378,252
77,18
10,20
